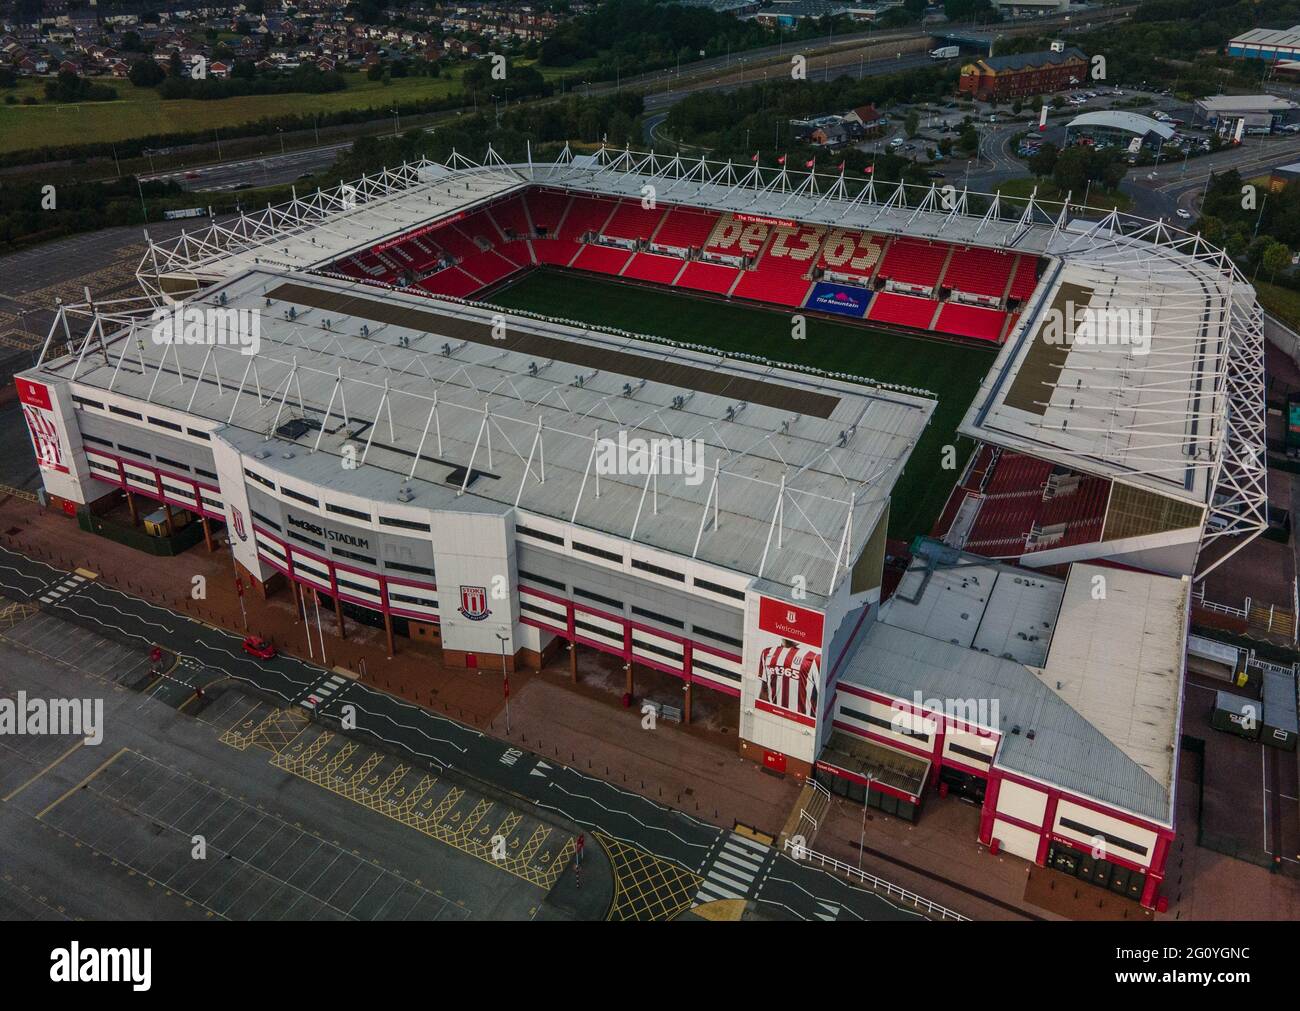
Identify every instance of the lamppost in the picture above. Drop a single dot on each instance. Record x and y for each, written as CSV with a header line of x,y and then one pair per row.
x,y
505,677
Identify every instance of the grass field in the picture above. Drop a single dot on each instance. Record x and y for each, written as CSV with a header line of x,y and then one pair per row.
x,y
952,372
139,112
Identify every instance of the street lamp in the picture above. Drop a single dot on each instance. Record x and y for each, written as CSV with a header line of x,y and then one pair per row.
x,y
505,677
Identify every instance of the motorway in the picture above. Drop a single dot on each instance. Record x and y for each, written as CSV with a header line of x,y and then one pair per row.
x,y
699,862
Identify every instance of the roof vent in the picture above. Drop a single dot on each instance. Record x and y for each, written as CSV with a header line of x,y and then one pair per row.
x,y
287,454
1015,729
404,493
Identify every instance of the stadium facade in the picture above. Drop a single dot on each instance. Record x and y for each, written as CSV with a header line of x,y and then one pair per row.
x,y
513,485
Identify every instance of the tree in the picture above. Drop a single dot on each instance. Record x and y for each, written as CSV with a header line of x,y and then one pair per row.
x,y
912,123
146,74
1276,257
1043,161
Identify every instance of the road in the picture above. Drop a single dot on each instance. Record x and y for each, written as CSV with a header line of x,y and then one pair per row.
x,y
272,171
703,861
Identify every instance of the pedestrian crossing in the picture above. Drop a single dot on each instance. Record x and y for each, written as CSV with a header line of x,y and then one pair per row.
x,y
321,694
734,870
56,591
827,910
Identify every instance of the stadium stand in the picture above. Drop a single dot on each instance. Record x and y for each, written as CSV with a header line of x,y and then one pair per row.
x,y
847,252
913,261
632,221
602,259
586,214
776,263
979,271
1025,278
781,273
452,281
547,209
716,278
734,237
556,252
685,228
655,268
970,321
511,218
904,310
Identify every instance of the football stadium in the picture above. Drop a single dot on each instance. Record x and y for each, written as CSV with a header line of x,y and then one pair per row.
x,y
864,466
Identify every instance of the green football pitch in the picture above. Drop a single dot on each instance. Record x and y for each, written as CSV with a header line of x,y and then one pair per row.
x,y
950,371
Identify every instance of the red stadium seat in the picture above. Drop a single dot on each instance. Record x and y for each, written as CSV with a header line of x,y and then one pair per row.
x,y
686,228
904,310
586,214
781,273
452,281
914,261
651,267
547,208
971,321
511,218
556,252
488,267
850,252
735,237
632,221
1025,279
979,271
602,259
712,277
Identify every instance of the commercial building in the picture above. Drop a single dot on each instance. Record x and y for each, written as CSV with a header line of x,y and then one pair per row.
x,y
1023,75
1270,44
1118,129
1253,113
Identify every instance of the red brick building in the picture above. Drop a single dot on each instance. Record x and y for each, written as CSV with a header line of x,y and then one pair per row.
x,y
1023,75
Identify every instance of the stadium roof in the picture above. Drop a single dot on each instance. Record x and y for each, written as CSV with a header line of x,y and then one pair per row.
x,y
1104,711
797,466
1120,419
1130,122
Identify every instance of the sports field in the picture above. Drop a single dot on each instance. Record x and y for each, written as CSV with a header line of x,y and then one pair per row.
x,y
140,112
952,372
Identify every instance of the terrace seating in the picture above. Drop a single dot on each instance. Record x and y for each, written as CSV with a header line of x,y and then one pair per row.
x,y
488,266
1015,474
716,278
781,273
655,268
686,228
1084,504
849,252
1001,527
452,281
518,252
632,221
979,271
602,259
547,209
454,242
971,321
904,310
914,261
556,252
587,214
511,218
1025,279
734,237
